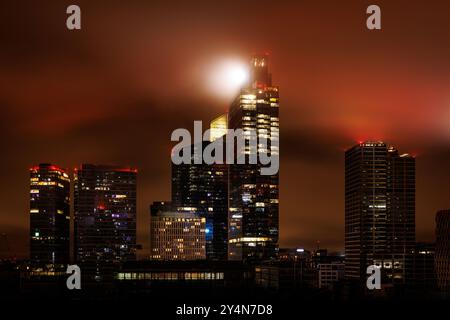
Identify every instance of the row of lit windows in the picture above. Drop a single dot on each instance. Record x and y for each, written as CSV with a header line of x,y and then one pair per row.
x,y
249,239
169,221
171,276
47,183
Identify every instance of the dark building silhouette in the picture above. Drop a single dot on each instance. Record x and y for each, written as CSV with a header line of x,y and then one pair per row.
x,y
424,274
105,219
49,216
292,271
253,197
379,212
185,279
442,255
160,206
202,189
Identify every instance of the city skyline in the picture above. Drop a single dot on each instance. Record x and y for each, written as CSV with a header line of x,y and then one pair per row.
x,y
403,163
145,254
225,214
388,89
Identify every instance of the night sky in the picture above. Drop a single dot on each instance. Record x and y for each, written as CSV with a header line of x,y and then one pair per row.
x,y
113,92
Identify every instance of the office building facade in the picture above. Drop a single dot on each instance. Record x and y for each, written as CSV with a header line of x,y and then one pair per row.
x,y
330,273
379,211
424,273
105,219
177,236
442,253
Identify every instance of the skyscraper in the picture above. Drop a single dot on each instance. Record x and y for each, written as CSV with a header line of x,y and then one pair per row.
x,y
49,216
202,189
379,211
105,219
253,197
442,255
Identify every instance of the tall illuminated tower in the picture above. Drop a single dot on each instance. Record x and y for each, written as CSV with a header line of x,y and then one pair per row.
x,y
253,197
379,212
49,216
105,219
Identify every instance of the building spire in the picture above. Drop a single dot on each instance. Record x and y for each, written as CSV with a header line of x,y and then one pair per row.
x,y
259,71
